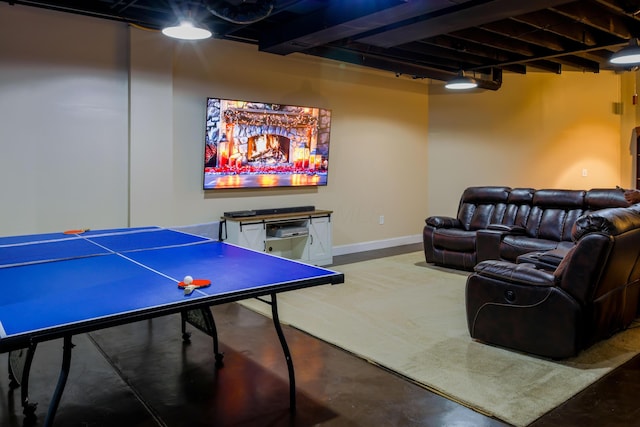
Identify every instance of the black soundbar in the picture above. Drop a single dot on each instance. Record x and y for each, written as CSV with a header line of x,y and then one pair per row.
x,y
293,209
272,211
239,214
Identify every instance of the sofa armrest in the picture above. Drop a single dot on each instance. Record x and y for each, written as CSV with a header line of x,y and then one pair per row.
x,y
526,274
488,240
555,256
488,244
547,260
443,222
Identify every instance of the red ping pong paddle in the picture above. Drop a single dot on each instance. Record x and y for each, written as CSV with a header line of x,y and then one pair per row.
x,y
198,283
78,231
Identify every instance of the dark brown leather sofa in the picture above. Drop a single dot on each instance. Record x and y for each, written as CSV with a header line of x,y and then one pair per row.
x,y
556,313
503,223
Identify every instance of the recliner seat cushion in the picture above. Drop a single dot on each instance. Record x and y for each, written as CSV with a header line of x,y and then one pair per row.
x,y
454,239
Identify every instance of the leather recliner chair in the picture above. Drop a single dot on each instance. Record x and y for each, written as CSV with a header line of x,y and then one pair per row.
x,y
451,241
592,294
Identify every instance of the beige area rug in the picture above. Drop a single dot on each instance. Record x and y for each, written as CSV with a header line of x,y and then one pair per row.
x,y
409,317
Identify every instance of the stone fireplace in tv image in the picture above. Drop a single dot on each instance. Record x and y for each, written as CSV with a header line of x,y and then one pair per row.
x,y
255,144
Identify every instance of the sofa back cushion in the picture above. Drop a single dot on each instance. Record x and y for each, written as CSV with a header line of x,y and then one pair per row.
x,y
553,214
481,206
518,206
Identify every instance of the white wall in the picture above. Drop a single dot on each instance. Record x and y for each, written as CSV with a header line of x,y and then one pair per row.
x,y
378,138
63,122
539,130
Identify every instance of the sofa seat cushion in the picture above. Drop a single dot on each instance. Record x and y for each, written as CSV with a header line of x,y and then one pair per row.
x,y
513,246
454,239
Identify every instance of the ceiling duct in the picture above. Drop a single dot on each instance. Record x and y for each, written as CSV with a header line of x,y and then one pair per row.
x,y
244,13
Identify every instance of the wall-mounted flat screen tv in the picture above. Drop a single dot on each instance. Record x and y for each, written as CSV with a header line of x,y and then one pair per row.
x,y
261,145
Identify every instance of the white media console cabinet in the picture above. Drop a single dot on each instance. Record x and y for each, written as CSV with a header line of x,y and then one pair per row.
x,y
302,236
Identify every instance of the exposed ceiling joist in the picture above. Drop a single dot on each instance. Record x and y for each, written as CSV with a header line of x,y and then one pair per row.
x,y
421,39
463,17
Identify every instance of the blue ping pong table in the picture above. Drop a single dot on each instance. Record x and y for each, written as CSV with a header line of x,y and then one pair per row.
x,y
57,285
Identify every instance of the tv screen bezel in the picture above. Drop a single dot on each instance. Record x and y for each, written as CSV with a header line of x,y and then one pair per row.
x,y
237,125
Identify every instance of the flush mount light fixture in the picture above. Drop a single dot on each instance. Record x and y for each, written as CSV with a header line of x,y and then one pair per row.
x,y
187,31
628,55
461,82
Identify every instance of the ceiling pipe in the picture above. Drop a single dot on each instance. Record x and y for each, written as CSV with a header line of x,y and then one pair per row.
x,y
495,83
399,68
242,14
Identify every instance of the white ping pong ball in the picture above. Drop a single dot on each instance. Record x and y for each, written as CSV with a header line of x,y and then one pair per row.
x,y
188,280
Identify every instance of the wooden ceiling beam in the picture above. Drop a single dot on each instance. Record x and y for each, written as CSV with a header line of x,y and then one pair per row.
x,y
596,16
469,15
554,23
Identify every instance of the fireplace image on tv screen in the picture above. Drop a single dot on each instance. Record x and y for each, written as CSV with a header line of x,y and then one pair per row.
x,y
258,145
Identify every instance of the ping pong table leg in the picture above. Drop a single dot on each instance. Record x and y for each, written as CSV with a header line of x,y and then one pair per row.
x,y
19,368
285,350
62,381
202,319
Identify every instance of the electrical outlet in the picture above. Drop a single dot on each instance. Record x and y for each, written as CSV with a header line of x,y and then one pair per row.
x,y
381,220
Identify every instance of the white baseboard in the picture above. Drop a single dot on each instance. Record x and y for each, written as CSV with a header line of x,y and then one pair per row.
x,y
377,244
